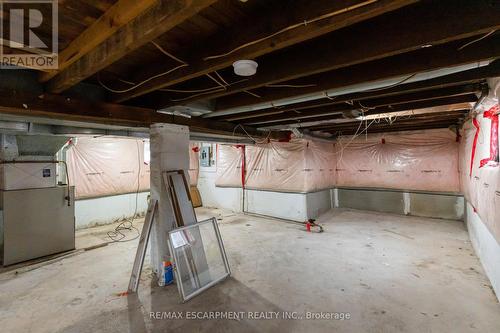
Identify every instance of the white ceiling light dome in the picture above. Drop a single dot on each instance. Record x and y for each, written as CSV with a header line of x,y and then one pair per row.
x,y
245,67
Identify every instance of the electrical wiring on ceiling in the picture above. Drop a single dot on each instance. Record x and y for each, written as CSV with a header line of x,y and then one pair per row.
x,y
330,97
120,91
252,94
221,85
290,85
168,54
266,140
294,26
376,120
196,95
391,85
219,88
476,40
366,107
221,78
177,90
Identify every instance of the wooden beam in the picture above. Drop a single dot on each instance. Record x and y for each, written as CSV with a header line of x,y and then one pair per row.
x,y
66,108
260,36
340,105
114,18
408,64
155,21
409,29
379,110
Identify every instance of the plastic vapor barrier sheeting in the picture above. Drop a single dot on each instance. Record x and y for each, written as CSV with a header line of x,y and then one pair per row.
x,y
424,160
480,184
297,166
107,166
229,159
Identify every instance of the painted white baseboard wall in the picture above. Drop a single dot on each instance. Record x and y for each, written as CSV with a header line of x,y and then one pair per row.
x,y
104,210
486,247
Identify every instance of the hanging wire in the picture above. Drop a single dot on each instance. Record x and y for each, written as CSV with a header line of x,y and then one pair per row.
x,y
290,85
304,23
250,137
120,91
476,40
251,93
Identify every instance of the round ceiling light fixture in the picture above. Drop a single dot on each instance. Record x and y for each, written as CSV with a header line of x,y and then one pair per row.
x,y
245,67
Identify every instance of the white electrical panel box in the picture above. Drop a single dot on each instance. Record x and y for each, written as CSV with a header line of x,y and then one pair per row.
x,y
17,176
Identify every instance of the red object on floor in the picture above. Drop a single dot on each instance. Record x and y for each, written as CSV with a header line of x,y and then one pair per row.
x,y
308,226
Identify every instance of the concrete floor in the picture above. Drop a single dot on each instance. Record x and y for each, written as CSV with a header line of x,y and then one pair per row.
x,y
390,273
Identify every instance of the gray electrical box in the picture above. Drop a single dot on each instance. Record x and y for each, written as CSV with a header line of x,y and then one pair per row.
x,y
205,156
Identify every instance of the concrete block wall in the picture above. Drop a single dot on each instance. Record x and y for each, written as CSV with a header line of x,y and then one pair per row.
x,y
435,205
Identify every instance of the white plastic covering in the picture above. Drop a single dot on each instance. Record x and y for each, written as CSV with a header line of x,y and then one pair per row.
x,y
482,188
300,165
418,160
106,166
100,166
228,166
424,160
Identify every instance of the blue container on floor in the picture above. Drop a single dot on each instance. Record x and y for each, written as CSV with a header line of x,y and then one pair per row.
x,y
168,272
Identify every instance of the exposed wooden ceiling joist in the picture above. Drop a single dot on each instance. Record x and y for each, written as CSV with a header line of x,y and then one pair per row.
x,y
65,108
379,110
386,129
341,105
155,21
455,114
121,13
398,32
409,64
403,120
470,76
398,125
260,38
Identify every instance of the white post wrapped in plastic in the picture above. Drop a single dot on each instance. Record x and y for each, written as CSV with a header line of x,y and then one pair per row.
x,y
169,151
